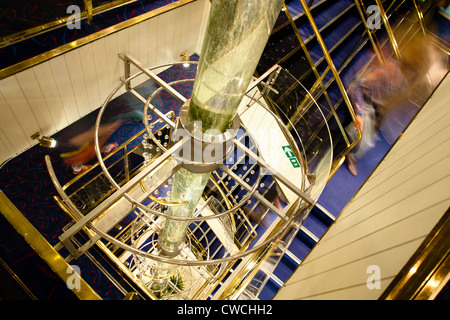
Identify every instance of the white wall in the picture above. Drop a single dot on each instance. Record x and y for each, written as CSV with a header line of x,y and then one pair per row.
x,y
388,218
58,92
270,139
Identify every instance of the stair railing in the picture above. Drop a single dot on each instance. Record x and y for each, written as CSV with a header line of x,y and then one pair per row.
x,y
370,32
338,80
390,33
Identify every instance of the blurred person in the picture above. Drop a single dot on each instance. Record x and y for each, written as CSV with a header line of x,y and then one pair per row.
x,y
81,150
444,5
385,85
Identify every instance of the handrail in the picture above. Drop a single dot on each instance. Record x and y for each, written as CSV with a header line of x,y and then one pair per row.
x,y
389,31
74,212
427,269
43,248
58,22
328,58
333,69
319,81
21,66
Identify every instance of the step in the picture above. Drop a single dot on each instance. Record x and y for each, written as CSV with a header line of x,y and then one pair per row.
x,y
269,290
301,245
285,268
315,225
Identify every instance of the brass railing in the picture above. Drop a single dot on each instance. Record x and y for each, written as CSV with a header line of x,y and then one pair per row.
x,y
88,13
331,66
43,248
428,268
66,204
23,65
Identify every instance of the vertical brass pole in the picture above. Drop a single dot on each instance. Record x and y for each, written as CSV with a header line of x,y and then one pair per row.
x,y
89,13
389,31
45,251
420,16
375,43
318,83
335,73
328,58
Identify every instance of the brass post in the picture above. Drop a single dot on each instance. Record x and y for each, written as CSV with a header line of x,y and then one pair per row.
x,y
375,44
55,261
333,68
328,57
389,31
420,16
88,7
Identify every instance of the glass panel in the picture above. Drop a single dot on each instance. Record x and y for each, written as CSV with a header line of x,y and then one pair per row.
x,y
310,131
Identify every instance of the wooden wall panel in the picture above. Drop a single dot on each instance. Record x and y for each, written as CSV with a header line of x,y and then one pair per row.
x,y
38,105
89,74
77,79
20,110
10,128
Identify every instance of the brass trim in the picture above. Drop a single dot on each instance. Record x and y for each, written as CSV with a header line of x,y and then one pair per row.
x,y
252,265
227,201
88,7
426,269
420,17
49,26
373,39
55,261
337,78
328,58
72,211
21,66
389,31
319,79
16,278
160,201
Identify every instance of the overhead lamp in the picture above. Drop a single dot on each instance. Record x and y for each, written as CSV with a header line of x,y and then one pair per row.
x,y
44,141
184,58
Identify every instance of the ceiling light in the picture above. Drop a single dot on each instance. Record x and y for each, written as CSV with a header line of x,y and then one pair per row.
x,y
44,141
184,58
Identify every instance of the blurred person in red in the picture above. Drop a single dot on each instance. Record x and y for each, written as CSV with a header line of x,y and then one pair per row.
x,y
82,148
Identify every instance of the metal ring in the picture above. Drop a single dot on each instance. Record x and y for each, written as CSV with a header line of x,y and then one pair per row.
x,y
138,204
146,209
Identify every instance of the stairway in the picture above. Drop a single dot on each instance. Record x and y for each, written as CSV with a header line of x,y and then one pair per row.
x,y
342,30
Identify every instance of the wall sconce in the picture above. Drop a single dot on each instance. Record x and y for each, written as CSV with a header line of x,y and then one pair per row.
x,y
184,58
46,142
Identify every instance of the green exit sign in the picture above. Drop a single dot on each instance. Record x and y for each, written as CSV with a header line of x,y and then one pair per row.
x,y
291,156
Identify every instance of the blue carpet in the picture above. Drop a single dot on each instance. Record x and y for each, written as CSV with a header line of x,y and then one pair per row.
x,y
343,185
